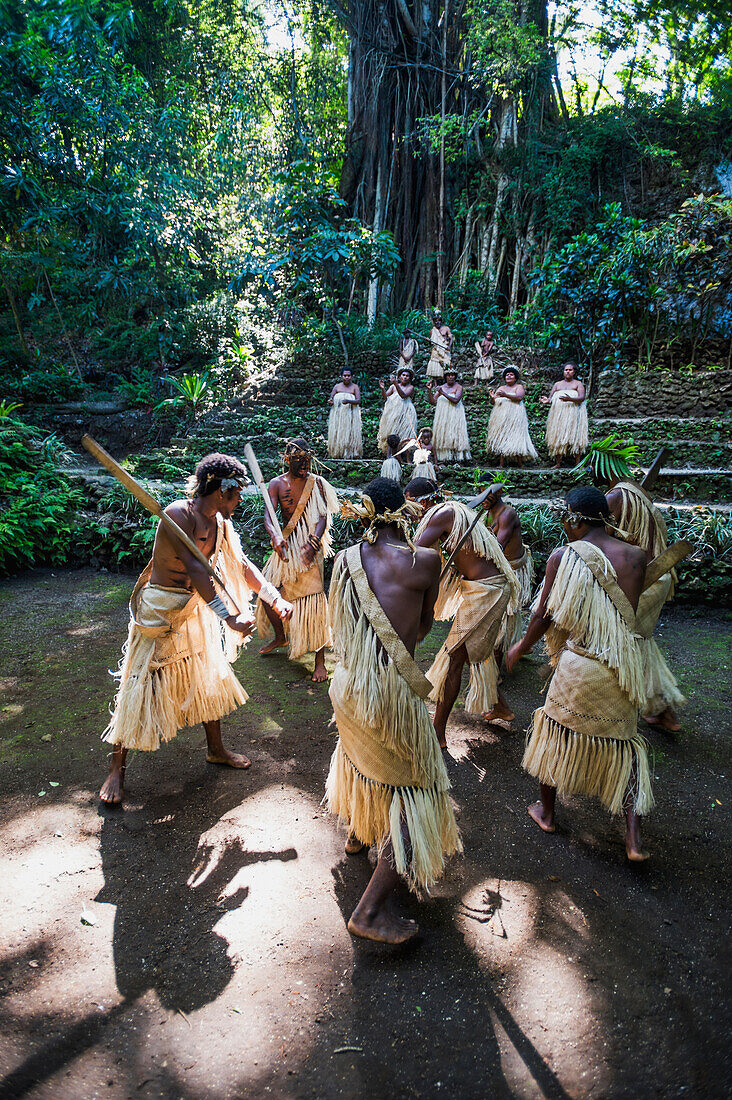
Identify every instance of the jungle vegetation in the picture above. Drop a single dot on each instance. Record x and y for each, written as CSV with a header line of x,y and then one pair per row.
x,y
176,171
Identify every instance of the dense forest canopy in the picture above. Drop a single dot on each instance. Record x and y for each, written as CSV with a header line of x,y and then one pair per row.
x,y
171,167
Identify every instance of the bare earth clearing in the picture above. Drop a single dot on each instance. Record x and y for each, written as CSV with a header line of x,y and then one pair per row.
x,y
216,962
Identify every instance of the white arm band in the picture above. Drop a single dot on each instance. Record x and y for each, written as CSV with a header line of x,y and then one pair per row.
x,y
268,593
218,607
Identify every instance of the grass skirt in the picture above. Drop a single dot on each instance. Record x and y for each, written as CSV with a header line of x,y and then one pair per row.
x,y
584,739
373,785
344,429
387,767
512,626
399,417
484,371
309,628
480,613
661,688
392,469
508,431
174,671
450,432
566,427
424,469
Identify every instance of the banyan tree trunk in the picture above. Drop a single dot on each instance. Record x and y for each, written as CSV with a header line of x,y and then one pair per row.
x,y
403,67
406,64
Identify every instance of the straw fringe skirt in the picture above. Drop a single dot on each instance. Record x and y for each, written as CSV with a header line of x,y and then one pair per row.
x,y
662,690
344,429
373,788
391,468
424,469
399,417
566,428
438,361
584,739
450,432
173,672
508,431
309,628
512,626
479,616
484,370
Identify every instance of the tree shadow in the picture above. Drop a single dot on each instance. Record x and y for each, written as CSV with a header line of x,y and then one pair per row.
x,y
438,1030
168,893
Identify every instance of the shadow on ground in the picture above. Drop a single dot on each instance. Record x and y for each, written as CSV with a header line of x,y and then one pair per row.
x,y
217,963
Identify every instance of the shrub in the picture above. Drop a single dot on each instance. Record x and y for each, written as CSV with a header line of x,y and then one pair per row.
x,y
39,380
36,501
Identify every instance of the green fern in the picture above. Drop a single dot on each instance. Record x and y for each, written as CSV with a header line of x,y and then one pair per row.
x,y
609,459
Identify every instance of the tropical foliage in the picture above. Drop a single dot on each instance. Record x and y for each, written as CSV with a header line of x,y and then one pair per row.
x,y
36,502
609,459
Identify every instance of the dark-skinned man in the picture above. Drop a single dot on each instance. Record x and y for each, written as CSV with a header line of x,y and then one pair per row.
x,y
176,671
387,780
506,526
584,740
307,504
476,591
640,522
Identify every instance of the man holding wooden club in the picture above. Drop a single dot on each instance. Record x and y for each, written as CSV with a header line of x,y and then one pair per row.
x,y
175,669
307,504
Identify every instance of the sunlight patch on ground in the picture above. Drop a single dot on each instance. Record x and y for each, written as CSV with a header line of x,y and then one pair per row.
x,y
497,917
271,946
88,630
539,977
284,931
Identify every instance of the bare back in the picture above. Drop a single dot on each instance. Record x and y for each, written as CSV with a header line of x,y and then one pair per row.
x,y
506,526
405,585
469,564
629,562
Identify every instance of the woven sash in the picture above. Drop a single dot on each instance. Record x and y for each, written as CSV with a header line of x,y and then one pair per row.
x,y
599,564
301,506
384,631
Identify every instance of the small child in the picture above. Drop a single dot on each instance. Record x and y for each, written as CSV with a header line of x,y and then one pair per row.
x,y
391,467
425,458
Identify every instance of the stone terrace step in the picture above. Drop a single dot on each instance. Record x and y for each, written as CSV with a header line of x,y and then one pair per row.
x,y
85,476
683,452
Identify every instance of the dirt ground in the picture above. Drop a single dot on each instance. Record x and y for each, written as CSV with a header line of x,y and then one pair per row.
x,y
194,944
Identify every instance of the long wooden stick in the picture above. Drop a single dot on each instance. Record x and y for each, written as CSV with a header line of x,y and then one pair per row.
x,y
154,507
463,540
260,483
654,469
667,560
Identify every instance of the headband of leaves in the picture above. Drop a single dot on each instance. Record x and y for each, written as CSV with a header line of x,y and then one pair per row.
x,y
562,511
402,517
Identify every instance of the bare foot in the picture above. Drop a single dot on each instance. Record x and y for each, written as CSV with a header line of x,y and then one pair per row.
x,y
112,791
320,674
667,720
499,716
270,647
231,759
383,928
634,853
353,846
536,813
